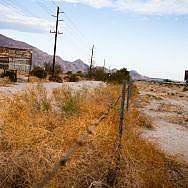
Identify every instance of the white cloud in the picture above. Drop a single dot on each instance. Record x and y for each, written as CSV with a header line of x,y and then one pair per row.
x,y
93,3
10,18
159,7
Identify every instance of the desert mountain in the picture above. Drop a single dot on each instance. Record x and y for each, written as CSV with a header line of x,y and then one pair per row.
x,y
136,76
39,57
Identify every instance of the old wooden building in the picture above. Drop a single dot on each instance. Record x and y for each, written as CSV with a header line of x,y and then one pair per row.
x,y
15,59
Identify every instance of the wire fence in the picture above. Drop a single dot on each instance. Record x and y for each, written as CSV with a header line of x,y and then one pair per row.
x,y
90,131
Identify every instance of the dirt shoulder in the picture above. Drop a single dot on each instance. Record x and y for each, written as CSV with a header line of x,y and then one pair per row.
x,y
20,87
167,105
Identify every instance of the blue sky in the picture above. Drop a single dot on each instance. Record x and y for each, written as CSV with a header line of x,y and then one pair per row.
x,y
150,36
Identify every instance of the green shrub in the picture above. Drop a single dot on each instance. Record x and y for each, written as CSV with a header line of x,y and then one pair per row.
x,y
38,100
39,72
57,69
67,101
185,88
80,74
119,75
12,74
56,78
74,78
100,75
69,73
97,73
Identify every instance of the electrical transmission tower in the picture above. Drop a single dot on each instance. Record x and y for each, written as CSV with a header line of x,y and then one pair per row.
x,y
55,43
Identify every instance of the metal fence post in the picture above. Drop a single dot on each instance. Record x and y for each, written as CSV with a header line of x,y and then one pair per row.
x,y
129,93
122,110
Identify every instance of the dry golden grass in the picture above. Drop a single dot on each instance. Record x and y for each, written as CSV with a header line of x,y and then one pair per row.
x,y
4,81
177,119
170,108
141,119
35,135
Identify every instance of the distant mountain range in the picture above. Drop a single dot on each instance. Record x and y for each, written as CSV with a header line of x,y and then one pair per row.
x,y
136,76
39,57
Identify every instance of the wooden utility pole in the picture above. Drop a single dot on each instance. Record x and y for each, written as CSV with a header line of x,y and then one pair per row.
x,y
91,63
55,43
104,65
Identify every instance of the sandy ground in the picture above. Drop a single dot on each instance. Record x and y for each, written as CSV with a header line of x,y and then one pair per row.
x,y
20,87
167,105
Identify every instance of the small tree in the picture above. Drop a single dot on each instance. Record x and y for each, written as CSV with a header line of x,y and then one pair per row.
x,y
69,72
100,74
39,72
119,75
73,78
48,68
80,73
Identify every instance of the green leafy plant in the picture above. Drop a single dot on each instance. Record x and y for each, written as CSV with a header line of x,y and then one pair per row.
x,y
74,78
56,78
67,101
57,68
39,72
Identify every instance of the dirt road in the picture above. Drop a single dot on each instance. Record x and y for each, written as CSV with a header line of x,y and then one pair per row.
x,y
167,105
20,87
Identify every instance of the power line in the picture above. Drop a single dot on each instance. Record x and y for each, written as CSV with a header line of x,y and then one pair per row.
x,y
44,7
74,25
12,4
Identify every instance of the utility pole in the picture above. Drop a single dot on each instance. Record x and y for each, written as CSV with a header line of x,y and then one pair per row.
x,y
91,64
104,72
56,33
104,65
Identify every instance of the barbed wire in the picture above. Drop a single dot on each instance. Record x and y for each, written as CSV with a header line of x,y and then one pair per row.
x,y
79,143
